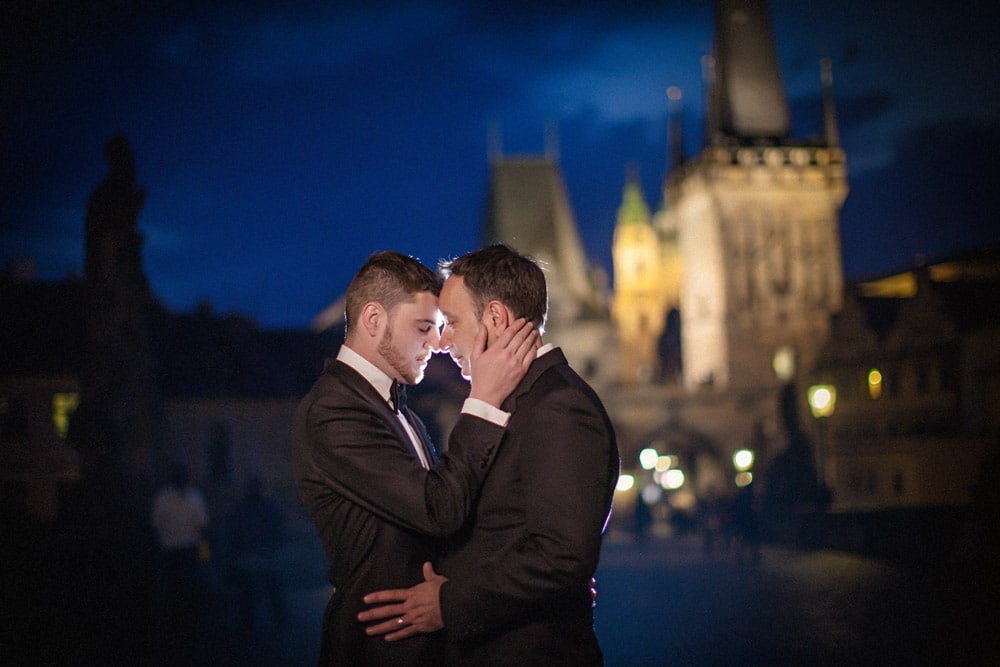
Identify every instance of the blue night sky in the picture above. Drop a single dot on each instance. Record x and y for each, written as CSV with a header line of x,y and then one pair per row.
x,y
280,145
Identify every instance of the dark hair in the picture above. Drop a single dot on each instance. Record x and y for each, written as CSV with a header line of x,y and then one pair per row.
x,y
500,272
388,278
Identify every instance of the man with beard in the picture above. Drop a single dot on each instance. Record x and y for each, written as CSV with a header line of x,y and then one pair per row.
x,y
380,495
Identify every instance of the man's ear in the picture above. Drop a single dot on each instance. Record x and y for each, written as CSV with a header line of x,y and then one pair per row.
x,y
373,318
497,317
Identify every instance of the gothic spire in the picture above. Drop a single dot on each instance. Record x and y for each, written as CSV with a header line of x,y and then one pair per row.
x,y
748,99
675,127
831,134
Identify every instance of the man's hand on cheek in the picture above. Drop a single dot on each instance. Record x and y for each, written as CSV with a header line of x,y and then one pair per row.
x,y
497,368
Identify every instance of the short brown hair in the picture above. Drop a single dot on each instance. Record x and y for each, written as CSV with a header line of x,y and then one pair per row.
x,y
389,278
500,272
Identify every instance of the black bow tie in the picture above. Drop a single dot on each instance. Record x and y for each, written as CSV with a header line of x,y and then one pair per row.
x,y
397,396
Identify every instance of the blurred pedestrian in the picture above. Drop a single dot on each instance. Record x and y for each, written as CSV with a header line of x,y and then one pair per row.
x,y
643,517
745,525
714,519
179,518
258,532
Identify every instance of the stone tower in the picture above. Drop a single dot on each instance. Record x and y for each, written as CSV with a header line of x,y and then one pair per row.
x,y
757,219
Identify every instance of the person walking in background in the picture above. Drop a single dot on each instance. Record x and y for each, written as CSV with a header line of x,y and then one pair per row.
x,y
746,527
515,587
179,518
258,532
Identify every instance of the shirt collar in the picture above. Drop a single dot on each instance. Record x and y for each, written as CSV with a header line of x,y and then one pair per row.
x,y
376,378
548,347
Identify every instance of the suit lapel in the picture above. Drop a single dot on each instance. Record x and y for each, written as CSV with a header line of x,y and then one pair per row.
x,y
369,395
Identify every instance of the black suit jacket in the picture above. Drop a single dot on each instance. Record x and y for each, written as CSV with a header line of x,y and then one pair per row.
x,y
379,514
519,570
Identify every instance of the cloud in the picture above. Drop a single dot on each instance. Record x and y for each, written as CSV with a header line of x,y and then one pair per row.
x,y
296,40
935,197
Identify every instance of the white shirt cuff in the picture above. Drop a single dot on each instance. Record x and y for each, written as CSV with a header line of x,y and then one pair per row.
x,y
483,410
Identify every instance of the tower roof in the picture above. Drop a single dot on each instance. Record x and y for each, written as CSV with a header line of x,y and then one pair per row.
x,y
633,209
747,96
528,208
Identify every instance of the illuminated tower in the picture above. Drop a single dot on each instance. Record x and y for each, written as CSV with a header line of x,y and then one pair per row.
x,y
757,217
639,299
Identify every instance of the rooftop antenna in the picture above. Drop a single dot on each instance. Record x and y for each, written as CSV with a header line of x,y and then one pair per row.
x,y
829,110
675,128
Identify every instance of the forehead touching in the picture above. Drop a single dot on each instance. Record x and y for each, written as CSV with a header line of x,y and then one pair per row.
x,y
419,307
456,299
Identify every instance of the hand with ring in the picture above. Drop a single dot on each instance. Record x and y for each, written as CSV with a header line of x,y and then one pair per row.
x,y
420,605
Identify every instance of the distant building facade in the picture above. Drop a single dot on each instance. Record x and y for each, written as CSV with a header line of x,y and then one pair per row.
x,y
913,364
228,392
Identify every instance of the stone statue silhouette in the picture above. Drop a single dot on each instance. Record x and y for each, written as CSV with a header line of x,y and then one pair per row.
x,y
793,492
114,426
113,252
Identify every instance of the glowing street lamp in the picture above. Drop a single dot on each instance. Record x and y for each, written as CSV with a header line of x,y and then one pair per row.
x,y
822,401
648,458
874,383
672,479
625,482
743,460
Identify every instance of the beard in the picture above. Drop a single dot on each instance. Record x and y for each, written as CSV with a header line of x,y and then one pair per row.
x,y
398,360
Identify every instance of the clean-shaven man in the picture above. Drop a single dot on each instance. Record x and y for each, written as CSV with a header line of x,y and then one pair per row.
x,y
514,587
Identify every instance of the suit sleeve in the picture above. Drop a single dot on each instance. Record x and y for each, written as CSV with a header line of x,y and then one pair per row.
x,y
354,452
568,463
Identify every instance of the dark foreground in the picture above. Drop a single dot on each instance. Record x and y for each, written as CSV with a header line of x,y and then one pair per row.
x,y
661,602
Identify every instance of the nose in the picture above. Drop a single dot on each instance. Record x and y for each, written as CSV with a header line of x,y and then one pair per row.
x,y
434,342
444,341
